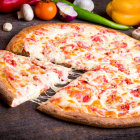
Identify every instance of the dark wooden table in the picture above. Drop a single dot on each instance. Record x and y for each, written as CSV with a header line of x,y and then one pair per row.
x,y
25,122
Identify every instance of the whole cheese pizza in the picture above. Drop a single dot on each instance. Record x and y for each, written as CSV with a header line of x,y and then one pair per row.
x,y
107,94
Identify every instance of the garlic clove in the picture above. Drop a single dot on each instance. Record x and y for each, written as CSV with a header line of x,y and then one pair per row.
x,y
7,27
85,4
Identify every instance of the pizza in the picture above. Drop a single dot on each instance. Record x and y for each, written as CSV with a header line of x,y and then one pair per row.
x,y
107,94
23,79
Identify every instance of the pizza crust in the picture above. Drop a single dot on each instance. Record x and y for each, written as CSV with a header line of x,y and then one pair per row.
x,y
16,43
7,92
87,119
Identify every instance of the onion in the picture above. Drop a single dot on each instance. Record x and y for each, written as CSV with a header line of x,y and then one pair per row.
x,y
66,12
33,2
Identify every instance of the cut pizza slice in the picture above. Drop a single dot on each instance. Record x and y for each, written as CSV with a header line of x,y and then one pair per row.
x,y
22,78
105,98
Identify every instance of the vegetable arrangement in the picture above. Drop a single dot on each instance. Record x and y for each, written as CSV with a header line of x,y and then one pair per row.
x,y
67,11
88,16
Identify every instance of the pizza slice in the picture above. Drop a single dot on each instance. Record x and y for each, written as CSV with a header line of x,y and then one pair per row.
x,y
22,78
105,98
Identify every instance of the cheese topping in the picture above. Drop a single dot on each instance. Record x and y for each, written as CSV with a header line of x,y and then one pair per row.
x,y
105,92
81,47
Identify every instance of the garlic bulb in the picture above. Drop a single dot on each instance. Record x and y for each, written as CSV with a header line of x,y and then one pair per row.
x,y
85,4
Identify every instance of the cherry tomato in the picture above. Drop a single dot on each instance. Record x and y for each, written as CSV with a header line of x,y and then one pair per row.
x,y
45,10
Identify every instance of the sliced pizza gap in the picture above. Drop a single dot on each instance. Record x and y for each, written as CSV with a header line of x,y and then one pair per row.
x,y
97,96
22,78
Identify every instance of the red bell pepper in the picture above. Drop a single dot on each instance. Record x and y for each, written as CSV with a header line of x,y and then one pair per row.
x,y
33,2
7,6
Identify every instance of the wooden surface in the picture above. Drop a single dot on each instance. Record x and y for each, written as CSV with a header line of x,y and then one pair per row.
x,y
25,122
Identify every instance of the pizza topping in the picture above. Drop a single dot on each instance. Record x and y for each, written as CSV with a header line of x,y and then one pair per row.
x,y
36,78
86,98
138,67
128,81
98,111
55,99
119,66
108,31
137,59
23,73
136,93
89,56
96,38
122,45
9,59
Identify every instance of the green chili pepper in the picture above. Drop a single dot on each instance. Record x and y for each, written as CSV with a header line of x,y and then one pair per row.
x,y
88,16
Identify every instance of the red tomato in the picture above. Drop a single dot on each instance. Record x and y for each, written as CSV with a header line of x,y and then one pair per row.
x,y
45,11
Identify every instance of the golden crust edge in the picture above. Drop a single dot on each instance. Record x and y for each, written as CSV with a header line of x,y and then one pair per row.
x,y
88,119
15,46
7,92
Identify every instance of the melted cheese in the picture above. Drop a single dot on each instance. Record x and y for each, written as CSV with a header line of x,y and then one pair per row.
x,y
111,99
83,47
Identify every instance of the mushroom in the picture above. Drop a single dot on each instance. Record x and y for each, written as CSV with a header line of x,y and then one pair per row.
x,y
136,33
7,27
26,12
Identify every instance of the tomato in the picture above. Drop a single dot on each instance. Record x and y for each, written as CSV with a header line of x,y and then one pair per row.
x,y
136,92
45,11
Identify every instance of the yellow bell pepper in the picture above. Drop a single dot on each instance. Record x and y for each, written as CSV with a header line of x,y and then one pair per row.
x,y
125,12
